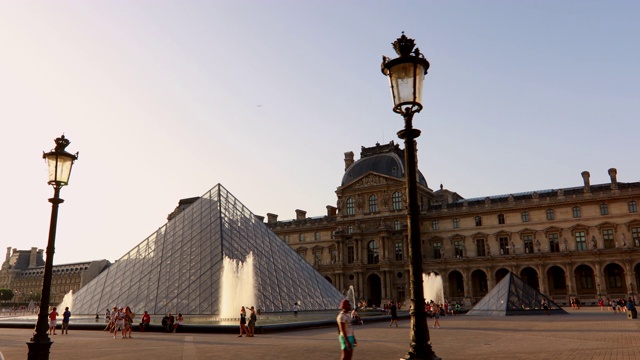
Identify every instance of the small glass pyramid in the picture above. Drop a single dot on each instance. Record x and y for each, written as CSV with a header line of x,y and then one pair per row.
x,y
512,296
179,267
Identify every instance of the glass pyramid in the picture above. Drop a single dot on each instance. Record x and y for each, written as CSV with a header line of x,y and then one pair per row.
x,y
179,267
512,296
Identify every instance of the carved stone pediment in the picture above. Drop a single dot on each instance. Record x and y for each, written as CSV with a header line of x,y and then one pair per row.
x,y
371,180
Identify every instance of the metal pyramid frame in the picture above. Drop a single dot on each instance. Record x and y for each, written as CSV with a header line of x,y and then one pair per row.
x,y
178,268
512,296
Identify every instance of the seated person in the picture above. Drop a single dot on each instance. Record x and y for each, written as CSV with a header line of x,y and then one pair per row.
x,y
179,321
146,320
167,322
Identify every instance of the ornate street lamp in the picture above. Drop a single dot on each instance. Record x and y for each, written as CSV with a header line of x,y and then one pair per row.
x,y
59,163
406,74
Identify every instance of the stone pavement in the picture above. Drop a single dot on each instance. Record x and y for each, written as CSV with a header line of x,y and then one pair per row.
x,y
584,334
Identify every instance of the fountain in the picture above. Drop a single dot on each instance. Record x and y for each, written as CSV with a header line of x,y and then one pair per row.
x,y
238,286
351,296
67,301
432,284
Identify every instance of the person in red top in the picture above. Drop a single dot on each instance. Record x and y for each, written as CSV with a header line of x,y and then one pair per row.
x,y
52,321
146,319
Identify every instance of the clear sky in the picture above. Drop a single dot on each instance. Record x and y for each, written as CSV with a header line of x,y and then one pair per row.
x,y
165,99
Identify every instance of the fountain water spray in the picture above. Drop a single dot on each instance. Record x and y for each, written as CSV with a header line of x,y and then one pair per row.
x,y
67,301
238,286
432,284
351,296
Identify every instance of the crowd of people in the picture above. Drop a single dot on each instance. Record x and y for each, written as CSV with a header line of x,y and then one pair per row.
x,y
121,320
621,305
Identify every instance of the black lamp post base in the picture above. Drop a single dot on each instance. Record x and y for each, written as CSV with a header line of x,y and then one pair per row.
x,y
39,350
414,357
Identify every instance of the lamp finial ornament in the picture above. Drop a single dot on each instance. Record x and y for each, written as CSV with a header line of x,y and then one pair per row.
x,y
404,45
61,143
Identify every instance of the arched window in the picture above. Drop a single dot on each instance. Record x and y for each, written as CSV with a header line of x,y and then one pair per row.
x,y
372,252
373,204
396,198
351,208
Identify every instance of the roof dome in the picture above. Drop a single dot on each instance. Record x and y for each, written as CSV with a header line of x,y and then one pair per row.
x,y
382,159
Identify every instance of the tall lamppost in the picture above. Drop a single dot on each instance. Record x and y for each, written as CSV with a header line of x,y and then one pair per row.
x,y
59,163
406,74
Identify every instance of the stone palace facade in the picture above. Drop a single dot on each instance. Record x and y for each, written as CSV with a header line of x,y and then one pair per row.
x,y
23,271
579,242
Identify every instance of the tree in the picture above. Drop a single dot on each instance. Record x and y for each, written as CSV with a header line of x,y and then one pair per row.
x,y
6,294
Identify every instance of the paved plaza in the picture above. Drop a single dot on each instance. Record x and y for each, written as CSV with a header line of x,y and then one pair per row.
x,y
583,334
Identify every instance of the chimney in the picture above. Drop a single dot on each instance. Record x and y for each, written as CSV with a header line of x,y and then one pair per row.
x,y
33,256
301,214
613,174
260,218
348,159
272,218
8,254
585,178
331,210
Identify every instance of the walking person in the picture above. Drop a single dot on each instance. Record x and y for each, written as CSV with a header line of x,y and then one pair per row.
x,y
128,322
119,323
243,322
436,317
65,320
113,315
296,307
52,321
393,310
346,338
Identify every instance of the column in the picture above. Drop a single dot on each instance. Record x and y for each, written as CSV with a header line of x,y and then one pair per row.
x,y
542,279
491,282
466,281
571,280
